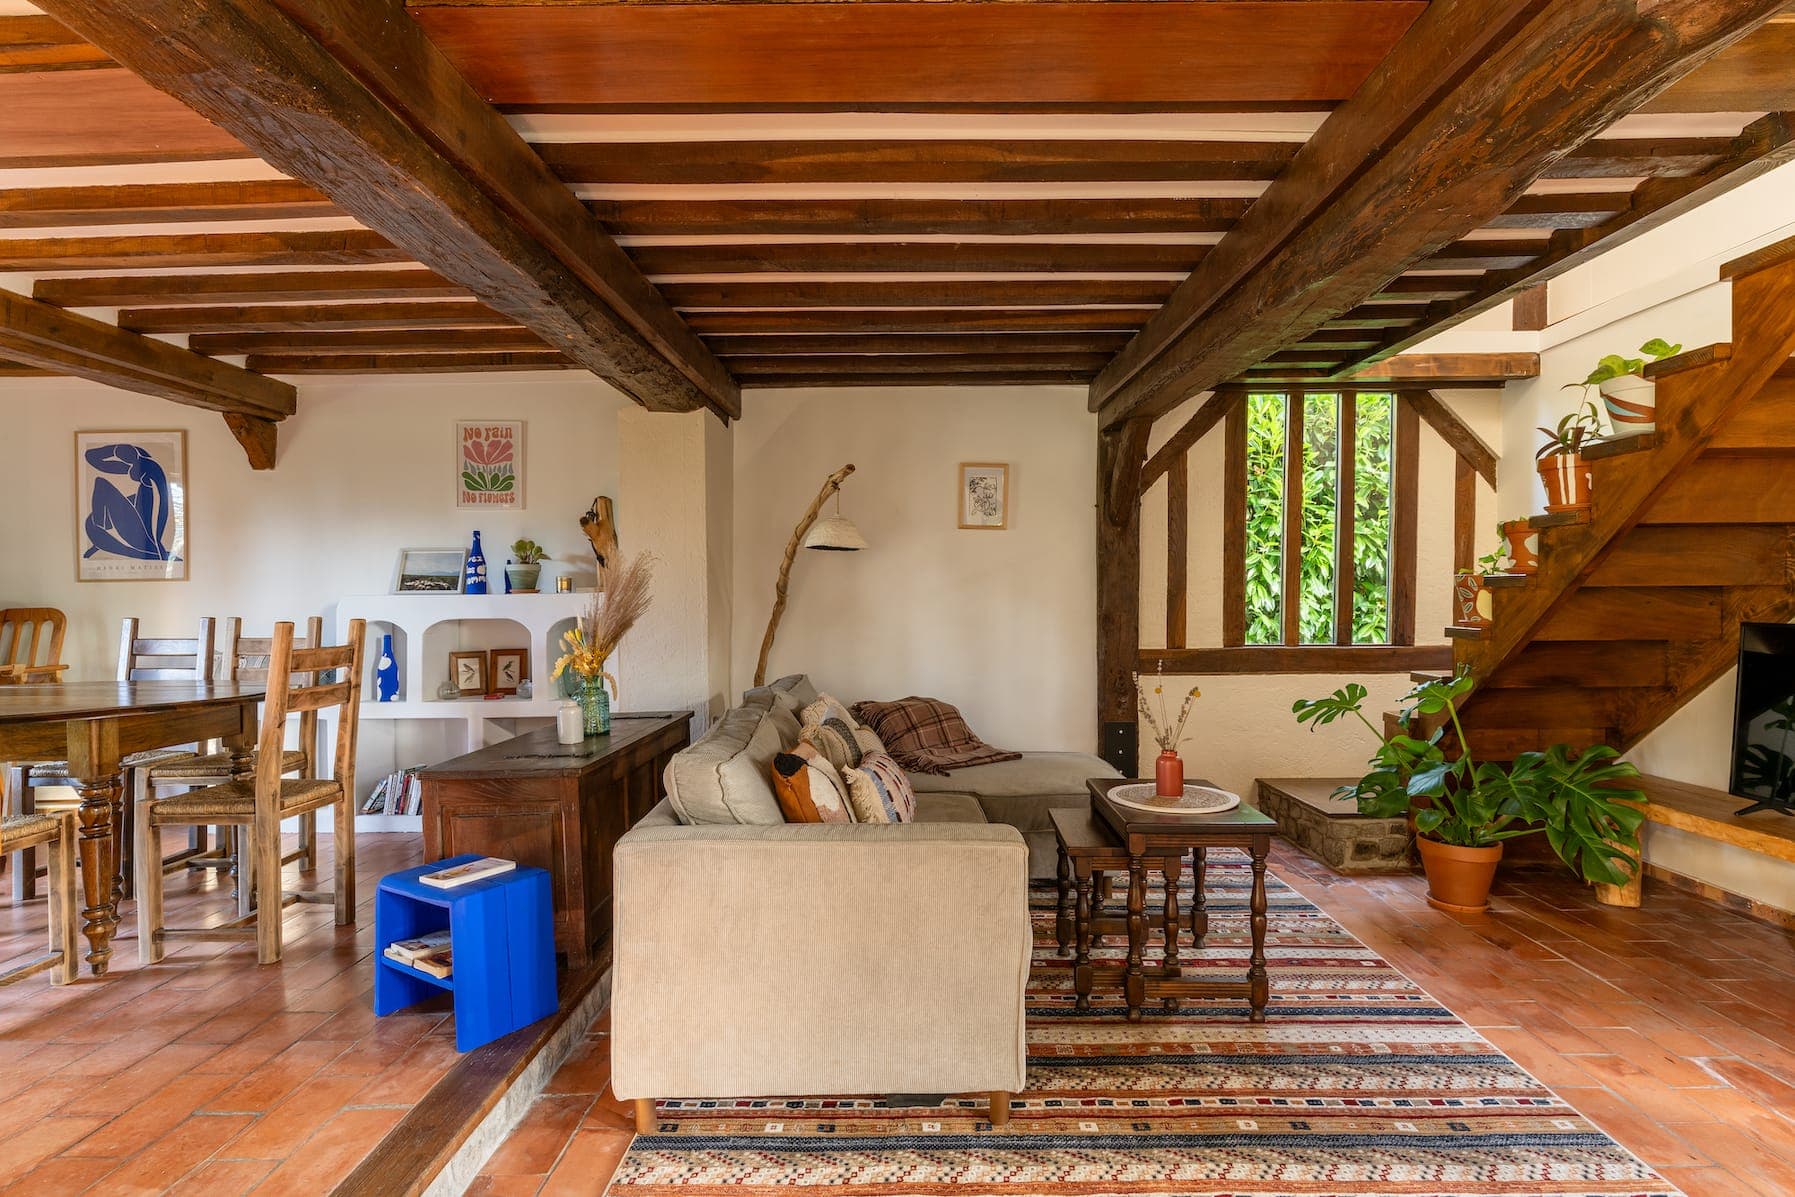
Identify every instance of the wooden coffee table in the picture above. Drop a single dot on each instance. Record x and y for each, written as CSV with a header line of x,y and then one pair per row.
x,y
1158,840
1089,854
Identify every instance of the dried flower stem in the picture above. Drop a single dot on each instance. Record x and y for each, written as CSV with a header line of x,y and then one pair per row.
x,y
1166,733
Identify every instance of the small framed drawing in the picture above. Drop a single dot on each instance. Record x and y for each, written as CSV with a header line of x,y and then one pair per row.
x,y
489,463
131,506
468,672
508,667
429,571
984,495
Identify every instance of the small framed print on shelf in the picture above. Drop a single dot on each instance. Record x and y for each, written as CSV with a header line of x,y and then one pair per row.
x,y
468,671
507,668
985,495
429,571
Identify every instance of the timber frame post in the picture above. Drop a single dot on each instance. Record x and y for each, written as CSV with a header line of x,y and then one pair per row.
x,y
1121,456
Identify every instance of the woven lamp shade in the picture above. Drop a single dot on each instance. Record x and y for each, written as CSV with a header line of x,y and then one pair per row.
x,y
836,533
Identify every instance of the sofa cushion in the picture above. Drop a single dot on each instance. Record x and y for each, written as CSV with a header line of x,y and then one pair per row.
x,y
809,789
948,808
1033,774
879,792
726,777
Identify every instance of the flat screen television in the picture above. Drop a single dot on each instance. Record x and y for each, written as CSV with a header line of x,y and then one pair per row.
x,y
1764,718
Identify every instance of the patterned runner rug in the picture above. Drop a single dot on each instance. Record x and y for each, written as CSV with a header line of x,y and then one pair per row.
x,y
1357,1083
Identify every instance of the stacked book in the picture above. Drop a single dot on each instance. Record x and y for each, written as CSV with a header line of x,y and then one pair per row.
x,y
398,793
427,953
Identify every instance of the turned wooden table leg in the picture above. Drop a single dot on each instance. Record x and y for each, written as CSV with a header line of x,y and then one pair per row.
x,y
645,1123
1172,867
1257,981
1199,902
98,845
1134,985
1081,936
1062,916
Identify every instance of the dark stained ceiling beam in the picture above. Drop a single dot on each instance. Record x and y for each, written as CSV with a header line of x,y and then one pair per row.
x,y
963,257
153,203
350,96
296,286
914,217
29,43
898,293
989,378
1475,102
920,320
301,317
48,338
386,340
407,363
310,247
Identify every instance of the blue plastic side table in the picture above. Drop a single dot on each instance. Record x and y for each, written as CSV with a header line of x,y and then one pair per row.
x,y
501,933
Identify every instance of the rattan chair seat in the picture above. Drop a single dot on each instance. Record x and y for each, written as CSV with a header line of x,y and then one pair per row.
x,y
217,765
235,802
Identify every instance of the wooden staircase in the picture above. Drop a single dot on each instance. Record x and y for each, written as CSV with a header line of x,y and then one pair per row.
x,y
1636,605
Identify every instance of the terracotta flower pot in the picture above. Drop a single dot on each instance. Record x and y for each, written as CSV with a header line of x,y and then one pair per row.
x,y
1632,404
1471,600
1567,482
1520,535
1458,879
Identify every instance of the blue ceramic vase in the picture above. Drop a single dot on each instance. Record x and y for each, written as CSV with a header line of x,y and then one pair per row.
x,y
476,570
386,673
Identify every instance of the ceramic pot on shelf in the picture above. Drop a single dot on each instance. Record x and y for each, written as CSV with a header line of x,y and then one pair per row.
x,y
1632,404
1168,775
1567,479
522,579
1520,536
1458,879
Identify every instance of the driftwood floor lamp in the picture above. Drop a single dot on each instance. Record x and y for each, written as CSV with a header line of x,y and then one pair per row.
x,y
837,534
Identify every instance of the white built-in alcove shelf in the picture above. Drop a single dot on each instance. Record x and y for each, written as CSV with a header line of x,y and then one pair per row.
x,y
420,728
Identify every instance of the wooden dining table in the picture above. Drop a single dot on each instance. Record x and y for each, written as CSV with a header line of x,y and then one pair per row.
x,y
94,726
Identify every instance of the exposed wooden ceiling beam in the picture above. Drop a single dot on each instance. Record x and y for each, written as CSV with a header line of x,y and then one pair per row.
x,y
732,345
1415,369
311,247
1122,54
911,257
913,217
406,363
40,335
1553,211
1764,145
101,117
154,203
1468,109
297,286
34,43
803,293
1455,432
1752,75
350,96
1639,157
920,160
992,378
920,320
392,340
300,317
920,363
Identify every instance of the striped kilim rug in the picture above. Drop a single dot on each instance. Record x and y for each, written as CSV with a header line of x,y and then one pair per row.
x,y
1357,1083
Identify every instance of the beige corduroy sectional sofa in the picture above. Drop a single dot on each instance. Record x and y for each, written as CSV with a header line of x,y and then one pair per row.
x,y
754,957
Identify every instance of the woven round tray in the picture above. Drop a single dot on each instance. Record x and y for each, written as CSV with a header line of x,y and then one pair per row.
x,y
1196,800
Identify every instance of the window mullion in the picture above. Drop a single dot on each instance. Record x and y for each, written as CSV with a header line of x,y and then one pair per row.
x,y
1292,585
1346,479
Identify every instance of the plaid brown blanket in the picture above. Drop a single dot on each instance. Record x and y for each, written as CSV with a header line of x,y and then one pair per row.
x,y
926,735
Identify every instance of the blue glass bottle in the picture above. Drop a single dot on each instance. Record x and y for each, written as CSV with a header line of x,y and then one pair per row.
x,y
476,569
386,673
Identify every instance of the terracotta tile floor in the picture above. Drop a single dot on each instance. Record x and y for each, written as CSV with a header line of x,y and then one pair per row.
x,y
1672,1026
206,1073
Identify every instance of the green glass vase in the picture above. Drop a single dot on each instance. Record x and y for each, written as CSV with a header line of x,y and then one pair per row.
x,y
595,706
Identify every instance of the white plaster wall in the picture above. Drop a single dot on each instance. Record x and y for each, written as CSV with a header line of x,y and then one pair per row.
x,y
364,468
1000,623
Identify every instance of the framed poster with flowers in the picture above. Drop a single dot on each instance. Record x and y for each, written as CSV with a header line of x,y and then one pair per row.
x,y
131,506
489,463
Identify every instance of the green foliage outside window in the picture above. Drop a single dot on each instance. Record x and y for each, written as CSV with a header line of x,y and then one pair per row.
x,y
1266,416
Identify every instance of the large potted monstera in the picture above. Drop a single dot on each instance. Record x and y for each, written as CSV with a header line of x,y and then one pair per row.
x,y
1465,811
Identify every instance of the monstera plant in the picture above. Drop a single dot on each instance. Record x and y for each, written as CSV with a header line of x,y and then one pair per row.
x,y
1465,810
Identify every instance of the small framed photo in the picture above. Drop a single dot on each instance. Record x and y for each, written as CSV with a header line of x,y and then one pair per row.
x,y
131,506
468,672
507,668
429,571
489,463
984,495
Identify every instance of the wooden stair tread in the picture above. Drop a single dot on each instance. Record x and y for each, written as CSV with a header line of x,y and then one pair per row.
x,y
1708,813
1557,519
1430,675
1465,632
1505,581
1707,355
1620,446
1774,254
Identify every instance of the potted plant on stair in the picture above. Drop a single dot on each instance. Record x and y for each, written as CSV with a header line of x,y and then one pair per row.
x,y
1627,393
1472,603
1561,464
1464,810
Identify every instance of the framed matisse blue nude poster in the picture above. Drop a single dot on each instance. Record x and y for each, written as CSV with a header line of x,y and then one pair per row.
x,y
131,506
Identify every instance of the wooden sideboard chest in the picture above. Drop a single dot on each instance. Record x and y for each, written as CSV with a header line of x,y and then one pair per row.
x,y
560,807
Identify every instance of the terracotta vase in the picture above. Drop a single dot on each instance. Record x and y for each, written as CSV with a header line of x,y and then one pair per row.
x,y
1632,404
1520,535
1471,607
1567,482
1168,775
1458,879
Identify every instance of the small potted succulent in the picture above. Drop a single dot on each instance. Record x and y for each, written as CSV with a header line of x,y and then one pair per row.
x,y
524,569
1472,604
1561,464
1464,811
1627,393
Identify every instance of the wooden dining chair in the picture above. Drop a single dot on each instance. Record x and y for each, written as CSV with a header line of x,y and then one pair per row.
x,y
260,804
56,832
245,659
31,644
140,659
